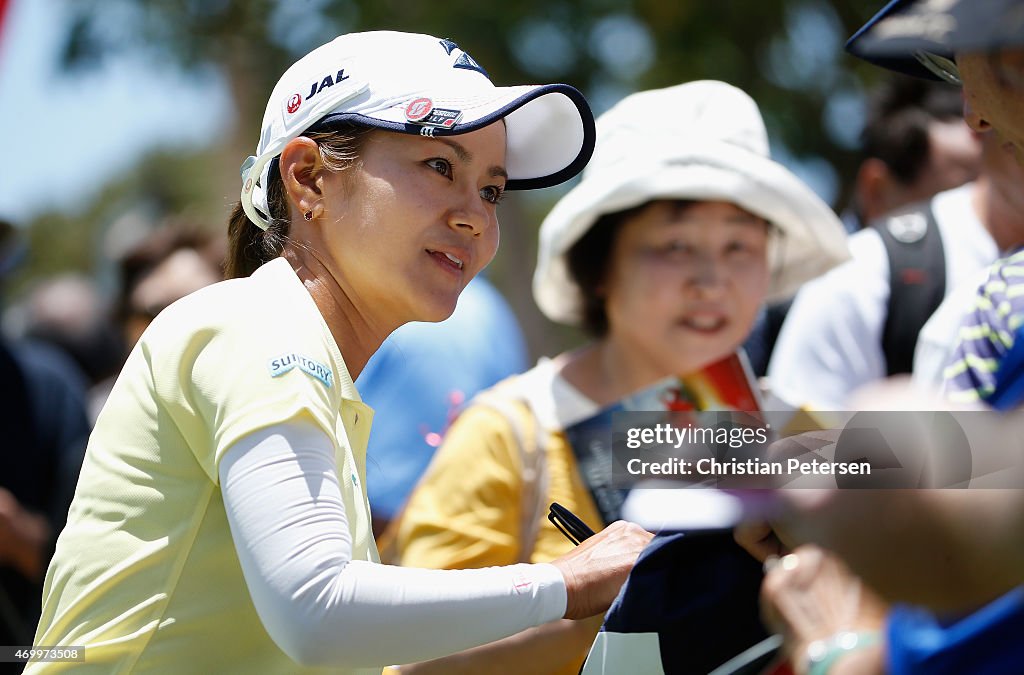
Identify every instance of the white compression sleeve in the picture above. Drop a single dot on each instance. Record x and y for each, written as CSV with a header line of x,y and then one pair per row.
x,y
289,526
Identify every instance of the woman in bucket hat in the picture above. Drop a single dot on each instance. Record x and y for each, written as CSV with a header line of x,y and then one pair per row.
x,y
220,522
681,227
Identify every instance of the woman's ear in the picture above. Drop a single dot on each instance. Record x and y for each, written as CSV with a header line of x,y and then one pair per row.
x,y
301,166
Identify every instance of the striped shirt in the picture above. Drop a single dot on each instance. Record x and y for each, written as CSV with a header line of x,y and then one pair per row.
x,y
987,332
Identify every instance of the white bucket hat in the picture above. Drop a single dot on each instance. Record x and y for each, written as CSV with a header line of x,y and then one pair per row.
x,y
419,84
702,141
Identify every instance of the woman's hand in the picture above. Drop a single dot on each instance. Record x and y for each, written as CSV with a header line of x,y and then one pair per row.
x,y
759,540
596,569
810,596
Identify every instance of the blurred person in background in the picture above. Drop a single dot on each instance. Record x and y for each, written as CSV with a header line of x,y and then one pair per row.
x,y
166,264
956,554
914,144
70,312
421,377
42,412
863,321
681,227
176,258
997,310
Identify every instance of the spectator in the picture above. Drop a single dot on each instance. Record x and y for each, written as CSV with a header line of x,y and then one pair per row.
x,y
954,552
860,322
167,264
1002,204
171,261
69,312
42,412
681,227
914,144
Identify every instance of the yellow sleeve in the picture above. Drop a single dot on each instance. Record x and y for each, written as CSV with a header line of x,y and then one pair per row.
x,y
465,511
218,376
565,486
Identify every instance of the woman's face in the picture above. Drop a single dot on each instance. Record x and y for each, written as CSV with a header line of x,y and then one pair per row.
x,y
686,283
415,220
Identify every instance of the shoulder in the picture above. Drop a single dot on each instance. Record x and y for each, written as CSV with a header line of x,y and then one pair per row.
x,y
500,420
238,337
867,271
1009,269
856,290
555,402
942,325
263,309
867,250
955,215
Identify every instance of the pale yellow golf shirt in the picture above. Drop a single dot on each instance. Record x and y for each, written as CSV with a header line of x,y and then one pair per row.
x,y
145,574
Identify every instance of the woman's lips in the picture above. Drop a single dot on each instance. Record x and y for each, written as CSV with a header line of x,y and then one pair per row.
x,y
704,323
448,260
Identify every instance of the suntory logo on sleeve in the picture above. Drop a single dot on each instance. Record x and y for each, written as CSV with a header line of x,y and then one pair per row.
x,y
279,365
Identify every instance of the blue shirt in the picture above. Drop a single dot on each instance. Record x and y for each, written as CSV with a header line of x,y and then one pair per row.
x,y
418,379
987,641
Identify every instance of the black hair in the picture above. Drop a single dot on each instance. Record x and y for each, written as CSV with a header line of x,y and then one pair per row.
x,y
589,262
249,245
898,117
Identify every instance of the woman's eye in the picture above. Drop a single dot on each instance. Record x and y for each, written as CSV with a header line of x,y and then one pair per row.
x,y
676,247
738,247
492,194
442,166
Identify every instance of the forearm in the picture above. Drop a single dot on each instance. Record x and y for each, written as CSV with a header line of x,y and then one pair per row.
x,y
983,531
949,550
550,648
288,520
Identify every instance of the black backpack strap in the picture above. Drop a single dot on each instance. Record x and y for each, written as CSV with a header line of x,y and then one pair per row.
x,y
917,280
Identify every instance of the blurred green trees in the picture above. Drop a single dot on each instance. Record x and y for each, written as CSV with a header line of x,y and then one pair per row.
x,y
786,53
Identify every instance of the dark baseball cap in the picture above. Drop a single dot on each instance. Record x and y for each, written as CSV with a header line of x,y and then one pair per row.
x,y
920,37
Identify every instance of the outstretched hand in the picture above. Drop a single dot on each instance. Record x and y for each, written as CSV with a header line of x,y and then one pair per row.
x,y
596,569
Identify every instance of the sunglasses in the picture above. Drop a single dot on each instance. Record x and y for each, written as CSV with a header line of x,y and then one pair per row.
x,y
940,66
1009,75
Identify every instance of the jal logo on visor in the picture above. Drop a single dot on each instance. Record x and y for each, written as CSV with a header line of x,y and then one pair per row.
x,y
326,81
295,101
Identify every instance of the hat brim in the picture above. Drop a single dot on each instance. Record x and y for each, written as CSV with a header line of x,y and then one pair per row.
x,y
905,27
810,239
893,52
550,128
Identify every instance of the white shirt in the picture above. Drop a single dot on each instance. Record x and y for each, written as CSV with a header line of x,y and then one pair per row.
x,y
831,342
937,340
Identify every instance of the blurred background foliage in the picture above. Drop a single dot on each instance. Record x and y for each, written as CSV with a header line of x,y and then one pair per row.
x,y
787,54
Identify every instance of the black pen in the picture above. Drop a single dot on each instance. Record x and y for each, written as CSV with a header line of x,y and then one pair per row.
x,y
569,524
